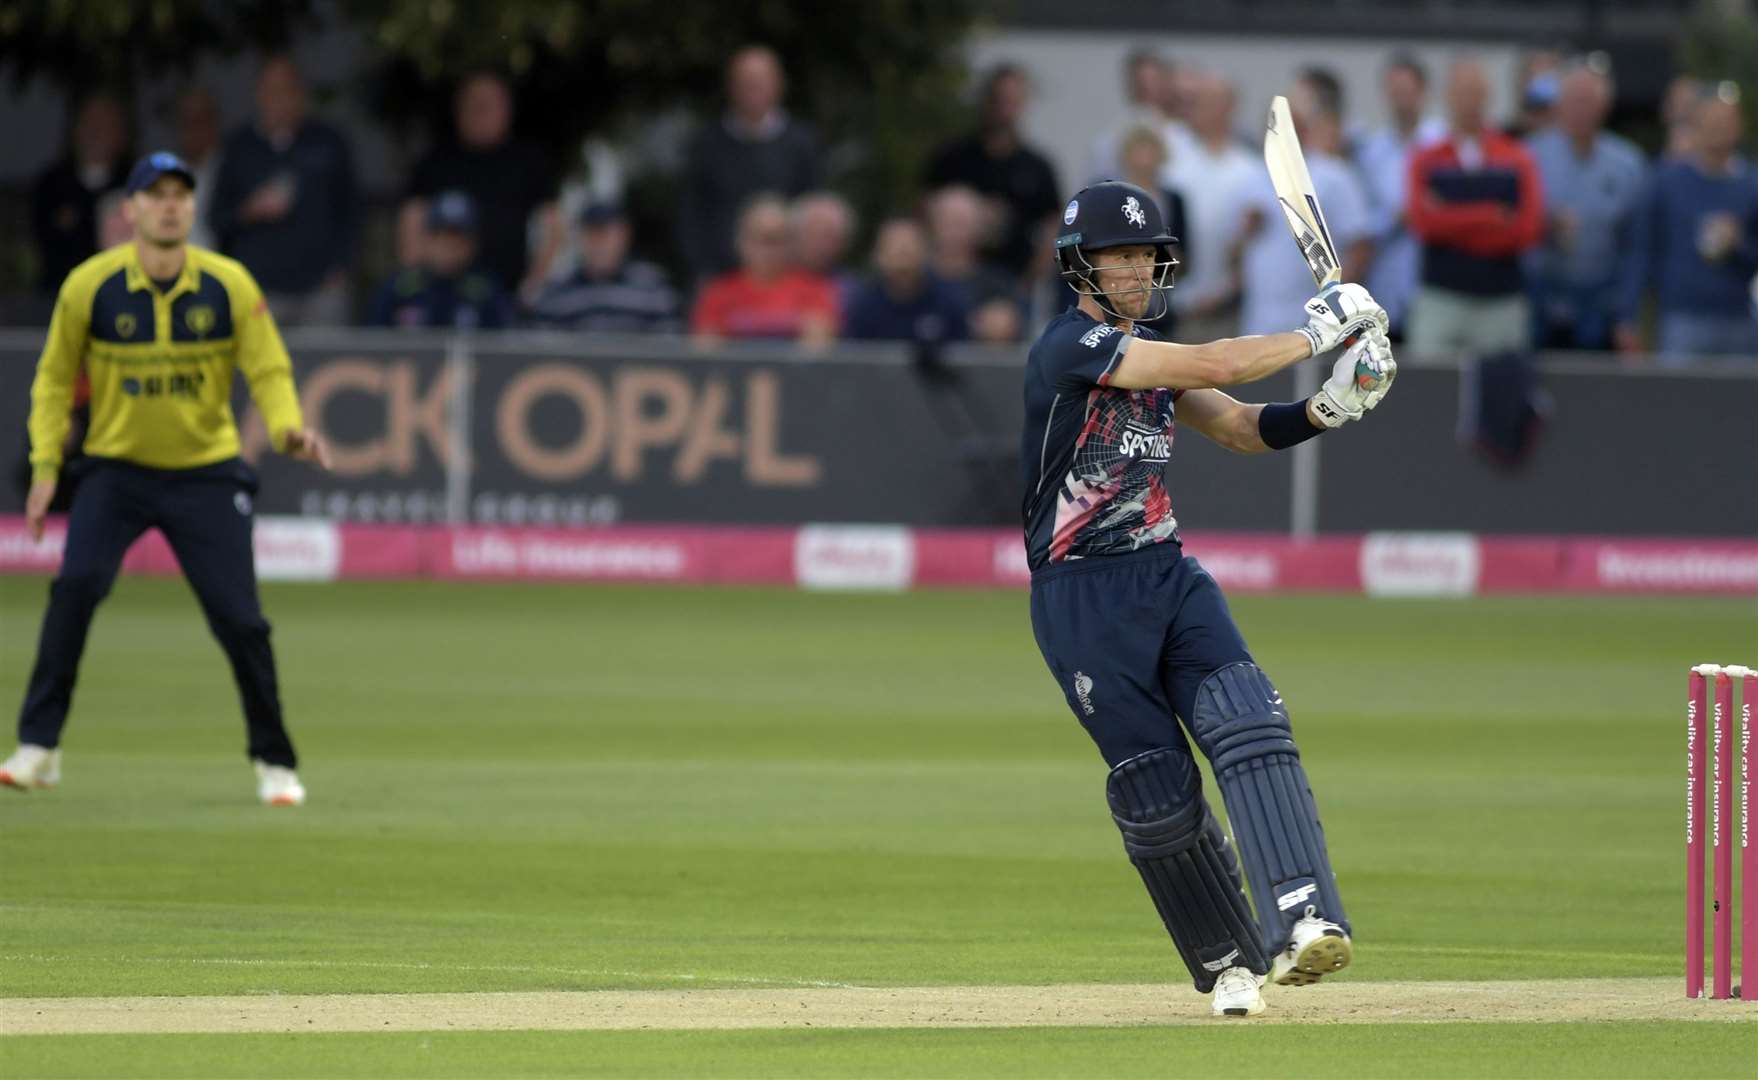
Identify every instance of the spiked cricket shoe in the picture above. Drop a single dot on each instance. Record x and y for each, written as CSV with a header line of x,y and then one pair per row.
x,y
1238,992
31,767
1318,947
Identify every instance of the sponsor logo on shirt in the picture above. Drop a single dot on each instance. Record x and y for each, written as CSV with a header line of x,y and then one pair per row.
x,y
1097,334
1139,442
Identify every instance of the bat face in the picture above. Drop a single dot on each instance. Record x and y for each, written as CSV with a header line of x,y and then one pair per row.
x,y
1297,197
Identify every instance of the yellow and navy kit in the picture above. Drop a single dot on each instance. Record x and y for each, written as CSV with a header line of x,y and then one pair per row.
x,y
159,362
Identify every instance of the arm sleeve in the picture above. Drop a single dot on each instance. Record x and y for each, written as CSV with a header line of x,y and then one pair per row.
x,y
228,196
1641,255
263,359
706,318
1528,225
346,203
52,389
1078,355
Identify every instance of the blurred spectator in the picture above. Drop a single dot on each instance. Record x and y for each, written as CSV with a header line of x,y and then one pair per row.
x,y
1210,177
443,289
608,292
1142,162
905,301
1384,160
285,204
1696,243
509,180
755,147
1476,204
113,224
65,197
822,224
1676,107
198,144
1150,88
1275,278
765,297
956,220
1017,182
1592,180
1537,79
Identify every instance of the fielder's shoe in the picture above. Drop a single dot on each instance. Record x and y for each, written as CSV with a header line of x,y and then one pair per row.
x,y
31,766
1317,948
1237,993
277,785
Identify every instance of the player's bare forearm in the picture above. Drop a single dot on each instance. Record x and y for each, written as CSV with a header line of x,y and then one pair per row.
x,y
1149,365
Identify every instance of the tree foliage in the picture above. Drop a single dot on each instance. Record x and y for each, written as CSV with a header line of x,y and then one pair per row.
x,y
1721,42
84,45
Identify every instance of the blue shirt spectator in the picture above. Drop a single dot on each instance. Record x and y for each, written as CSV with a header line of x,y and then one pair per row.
x,y
285,205
1696,246
1592,182
443,291
905,301
1383,159
609,292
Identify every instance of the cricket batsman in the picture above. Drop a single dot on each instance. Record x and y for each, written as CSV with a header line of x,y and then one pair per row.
x,y
158,327
1138,634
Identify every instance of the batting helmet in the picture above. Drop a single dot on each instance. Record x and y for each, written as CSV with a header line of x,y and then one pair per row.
x,y
1111,214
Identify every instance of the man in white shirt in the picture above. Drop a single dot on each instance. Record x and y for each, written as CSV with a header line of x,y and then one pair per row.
x,y
1383,158
1212,173
1272,270
1147,82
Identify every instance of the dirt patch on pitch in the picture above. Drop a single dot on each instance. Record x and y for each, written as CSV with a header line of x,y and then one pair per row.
x,y
1549,1001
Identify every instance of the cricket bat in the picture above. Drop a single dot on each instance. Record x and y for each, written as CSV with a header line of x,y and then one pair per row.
x,y
1294,191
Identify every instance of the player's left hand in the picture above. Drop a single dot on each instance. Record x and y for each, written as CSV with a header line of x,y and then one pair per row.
x,y
307,445
1360,378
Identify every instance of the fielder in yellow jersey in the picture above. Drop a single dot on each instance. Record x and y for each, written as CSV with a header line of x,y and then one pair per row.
x,y
158,328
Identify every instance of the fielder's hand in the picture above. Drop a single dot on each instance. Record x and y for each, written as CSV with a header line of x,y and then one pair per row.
x,y
1359,379
1341,312
307,445
36,506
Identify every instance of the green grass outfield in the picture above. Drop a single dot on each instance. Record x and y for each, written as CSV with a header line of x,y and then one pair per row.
x,y
560,788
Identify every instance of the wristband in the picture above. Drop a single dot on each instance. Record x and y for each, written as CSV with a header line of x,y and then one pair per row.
x,y
1285,424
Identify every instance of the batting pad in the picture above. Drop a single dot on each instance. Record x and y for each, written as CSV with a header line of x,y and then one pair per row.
x,y
1241,724
1185,862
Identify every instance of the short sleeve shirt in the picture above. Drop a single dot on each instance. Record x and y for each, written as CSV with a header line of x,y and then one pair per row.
x,y
1093,455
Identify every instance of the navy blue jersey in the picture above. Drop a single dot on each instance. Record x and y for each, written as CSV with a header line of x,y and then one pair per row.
x,y
1094,455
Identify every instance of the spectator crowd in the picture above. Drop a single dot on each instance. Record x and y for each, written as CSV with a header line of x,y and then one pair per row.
x,y
1543,231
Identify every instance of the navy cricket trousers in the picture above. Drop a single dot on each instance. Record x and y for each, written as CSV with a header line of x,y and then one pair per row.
x,y
1130,638
205,515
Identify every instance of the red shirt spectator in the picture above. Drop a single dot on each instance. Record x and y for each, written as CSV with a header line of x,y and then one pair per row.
x,y
764,298
1475,203
1490,208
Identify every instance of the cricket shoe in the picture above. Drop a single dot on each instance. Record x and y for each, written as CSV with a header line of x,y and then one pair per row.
x,y
1318,947
277,785
31,767
1238,992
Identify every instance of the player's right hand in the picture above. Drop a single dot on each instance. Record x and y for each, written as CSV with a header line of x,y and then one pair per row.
x,y
1341,312
1361,376
36,506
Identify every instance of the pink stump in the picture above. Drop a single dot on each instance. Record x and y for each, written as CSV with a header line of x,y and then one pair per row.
x,y
1694,769
1748,862
1722,781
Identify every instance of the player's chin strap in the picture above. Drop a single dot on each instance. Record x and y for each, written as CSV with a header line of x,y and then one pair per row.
x,y
1083,277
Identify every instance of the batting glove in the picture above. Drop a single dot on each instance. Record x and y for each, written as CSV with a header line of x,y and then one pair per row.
x,y
1359,379
1339,313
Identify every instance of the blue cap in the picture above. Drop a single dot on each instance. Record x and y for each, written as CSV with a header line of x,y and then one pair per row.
x,y
164,163
453,210
1542,91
